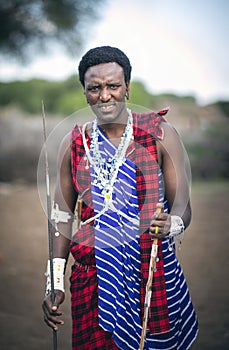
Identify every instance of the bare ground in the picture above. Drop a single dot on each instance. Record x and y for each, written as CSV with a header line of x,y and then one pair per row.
x,y
24,251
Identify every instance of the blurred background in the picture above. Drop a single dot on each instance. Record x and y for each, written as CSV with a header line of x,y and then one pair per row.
x,y
179,56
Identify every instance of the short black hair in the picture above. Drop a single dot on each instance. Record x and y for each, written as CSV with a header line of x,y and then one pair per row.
x,y
104,54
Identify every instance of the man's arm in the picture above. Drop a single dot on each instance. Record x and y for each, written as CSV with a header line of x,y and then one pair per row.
x,y
64,200
65,197
175,167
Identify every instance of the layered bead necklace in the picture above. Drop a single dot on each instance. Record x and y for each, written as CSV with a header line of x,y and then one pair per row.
x,y
106,170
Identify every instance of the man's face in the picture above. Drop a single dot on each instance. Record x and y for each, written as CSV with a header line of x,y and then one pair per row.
x,y
105,90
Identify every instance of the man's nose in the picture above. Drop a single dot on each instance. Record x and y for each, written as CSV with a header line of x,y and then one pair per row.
x,y
105,95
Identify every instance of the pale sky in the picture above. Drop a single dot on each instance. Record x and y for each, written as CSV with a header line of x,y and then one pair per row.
x,y
177,46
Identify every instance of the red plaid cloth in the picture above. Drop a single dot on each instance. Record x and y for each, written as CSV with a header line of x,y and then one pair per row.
x,y
87,334
147,129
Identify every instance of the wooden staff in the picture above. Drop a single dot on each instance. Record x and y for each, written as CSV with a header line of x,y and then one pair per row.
x,y
79,211
152,266
50,240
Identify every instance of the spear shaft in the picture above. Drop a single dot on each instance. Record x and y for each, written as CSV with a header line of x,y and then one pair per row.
x,y
152,265
48,198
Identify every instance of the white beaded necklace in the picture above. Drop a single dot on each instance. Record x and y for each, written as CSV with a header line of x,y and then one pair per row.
x,y
106,171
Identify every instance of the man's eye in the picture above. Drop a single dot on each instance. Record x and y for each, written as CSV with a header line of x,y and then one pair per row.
x,y
93,88
114,86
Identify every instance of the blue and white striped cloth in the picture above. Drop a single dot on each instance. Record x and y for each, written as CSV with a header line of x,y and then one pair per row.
x,y
117,251
117,254
182,317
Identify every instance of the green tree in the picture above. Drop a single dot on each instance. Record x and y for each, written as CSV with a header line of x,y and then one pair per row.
x,y
34,24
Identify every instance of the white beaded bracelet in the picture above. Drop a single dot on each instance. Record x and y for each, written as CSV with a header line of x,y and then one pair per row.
x,y
177,226
58,275
176,233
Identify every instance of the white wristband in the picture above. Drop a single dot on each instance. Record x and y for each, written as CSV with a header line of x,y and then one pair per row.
x,y
58,275
59,215
177,226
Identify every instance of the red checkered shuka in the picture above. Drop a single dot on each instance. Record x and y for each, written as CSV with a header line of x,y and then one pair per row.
x,y
87,334
146,130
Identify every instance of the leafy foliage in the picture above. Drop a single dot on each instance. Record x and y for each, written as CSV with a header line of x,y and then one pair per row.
x,y
139,95
27,24
209,156
61,97
224,105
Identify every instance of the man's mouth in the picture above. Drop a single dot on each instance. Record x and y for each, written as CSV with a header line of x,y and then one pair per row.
x,y
106,107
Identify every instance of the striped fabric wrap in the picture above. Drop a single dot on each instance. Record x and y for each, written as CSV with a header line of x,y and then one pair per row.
x,y
117,253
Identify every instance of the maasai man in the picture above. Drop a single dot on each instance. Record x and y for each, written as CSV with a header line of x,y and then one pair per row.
x,y
115,170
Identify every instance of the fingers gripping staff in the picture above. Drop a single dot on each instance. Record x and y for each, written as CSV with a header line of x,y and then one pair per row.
x,y
152,267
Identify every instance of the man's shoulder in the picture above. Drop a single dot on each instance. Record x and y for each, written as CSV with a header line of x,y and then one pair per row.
x,y
152,114
151,122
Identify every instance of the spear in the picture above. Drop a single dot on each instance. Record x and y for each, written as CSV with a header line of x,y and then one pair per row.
x,y
148,294
48,197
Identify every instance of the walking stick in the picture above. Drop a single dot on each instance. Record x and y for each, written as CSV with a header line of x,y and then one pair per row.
x,y
49,218
152,265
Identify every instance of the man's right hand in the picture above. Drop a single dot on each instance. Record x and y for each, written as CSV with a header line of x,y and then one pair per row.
x,y
51,313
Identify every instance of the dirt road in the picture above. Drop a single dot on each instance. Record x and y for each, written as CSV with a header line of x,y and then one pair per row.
x,y
23,256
